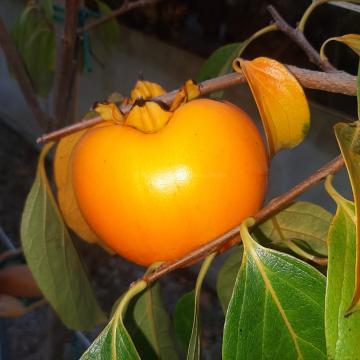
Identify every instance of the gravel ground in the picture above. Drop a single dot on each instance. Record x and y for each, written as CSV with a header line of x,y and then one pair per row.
x,y
40,335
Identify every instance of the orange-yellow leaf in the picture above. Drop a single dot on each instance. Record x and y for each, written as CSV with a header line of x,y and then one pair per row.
x,y
281,102
351,40
65,192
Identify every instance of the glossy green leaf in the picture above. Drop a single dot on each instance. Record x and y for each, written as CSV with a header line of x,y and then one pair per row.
x,y
183,318
342,332
348,137
183,314
53,259
302,224
219,62
149,326
33,34
109,32
114,341
277,307
227,276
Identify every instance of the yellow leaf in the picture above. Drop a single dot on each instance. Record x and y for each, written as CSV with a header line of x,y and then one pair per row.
x,y
281,102
146,90
65,192
351,40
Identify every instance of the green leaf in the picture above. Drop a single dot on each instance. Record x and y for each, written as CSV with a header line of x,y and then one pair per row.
x,y
219,62
40,63
194,343
303,223
149,326
183,314
24,24
183,318
227,276
53,259
114,341
48,7
33,35
109,32
348,137
277,307
342,332
358,91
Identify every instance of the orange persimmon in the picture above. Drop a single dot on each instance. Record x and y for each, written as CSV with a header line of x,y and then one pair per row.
x,y
157,196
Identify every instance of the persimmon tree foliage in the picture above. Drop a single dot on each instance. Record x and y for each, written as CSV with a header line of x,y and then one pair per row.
x,y
276,301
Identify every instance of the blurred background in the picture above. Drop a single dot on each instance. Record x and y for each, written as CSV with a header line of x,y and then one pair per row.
x,y
167,43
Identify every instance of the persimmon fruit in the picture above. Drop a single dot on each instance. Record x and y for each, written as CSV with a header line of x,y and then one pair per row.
x,y
155,197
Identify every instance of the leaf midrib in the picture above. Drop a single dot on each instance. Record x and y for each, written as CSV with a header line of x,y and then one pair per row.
x,y
277,302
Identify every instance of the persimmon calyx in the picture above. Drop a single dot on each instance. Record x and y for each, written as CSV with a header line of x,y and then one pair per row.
x,y
150,116
146,90
109,111
189,91
146,115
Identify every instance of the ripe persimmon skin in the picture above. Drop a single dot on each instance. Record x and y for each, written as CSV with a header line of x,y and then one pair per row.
x,y
155,197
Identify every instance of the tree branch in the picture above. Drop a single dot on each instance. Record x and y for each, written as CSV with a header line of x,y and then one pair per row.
x,y
125,7
66,63
272,208
14,61
298,38
338,82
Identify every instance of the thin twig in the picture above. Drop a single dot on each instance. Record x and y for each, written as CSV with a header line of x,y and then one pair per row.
x,y
338,82
14,61
65,63
272,208
298,38
125,7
